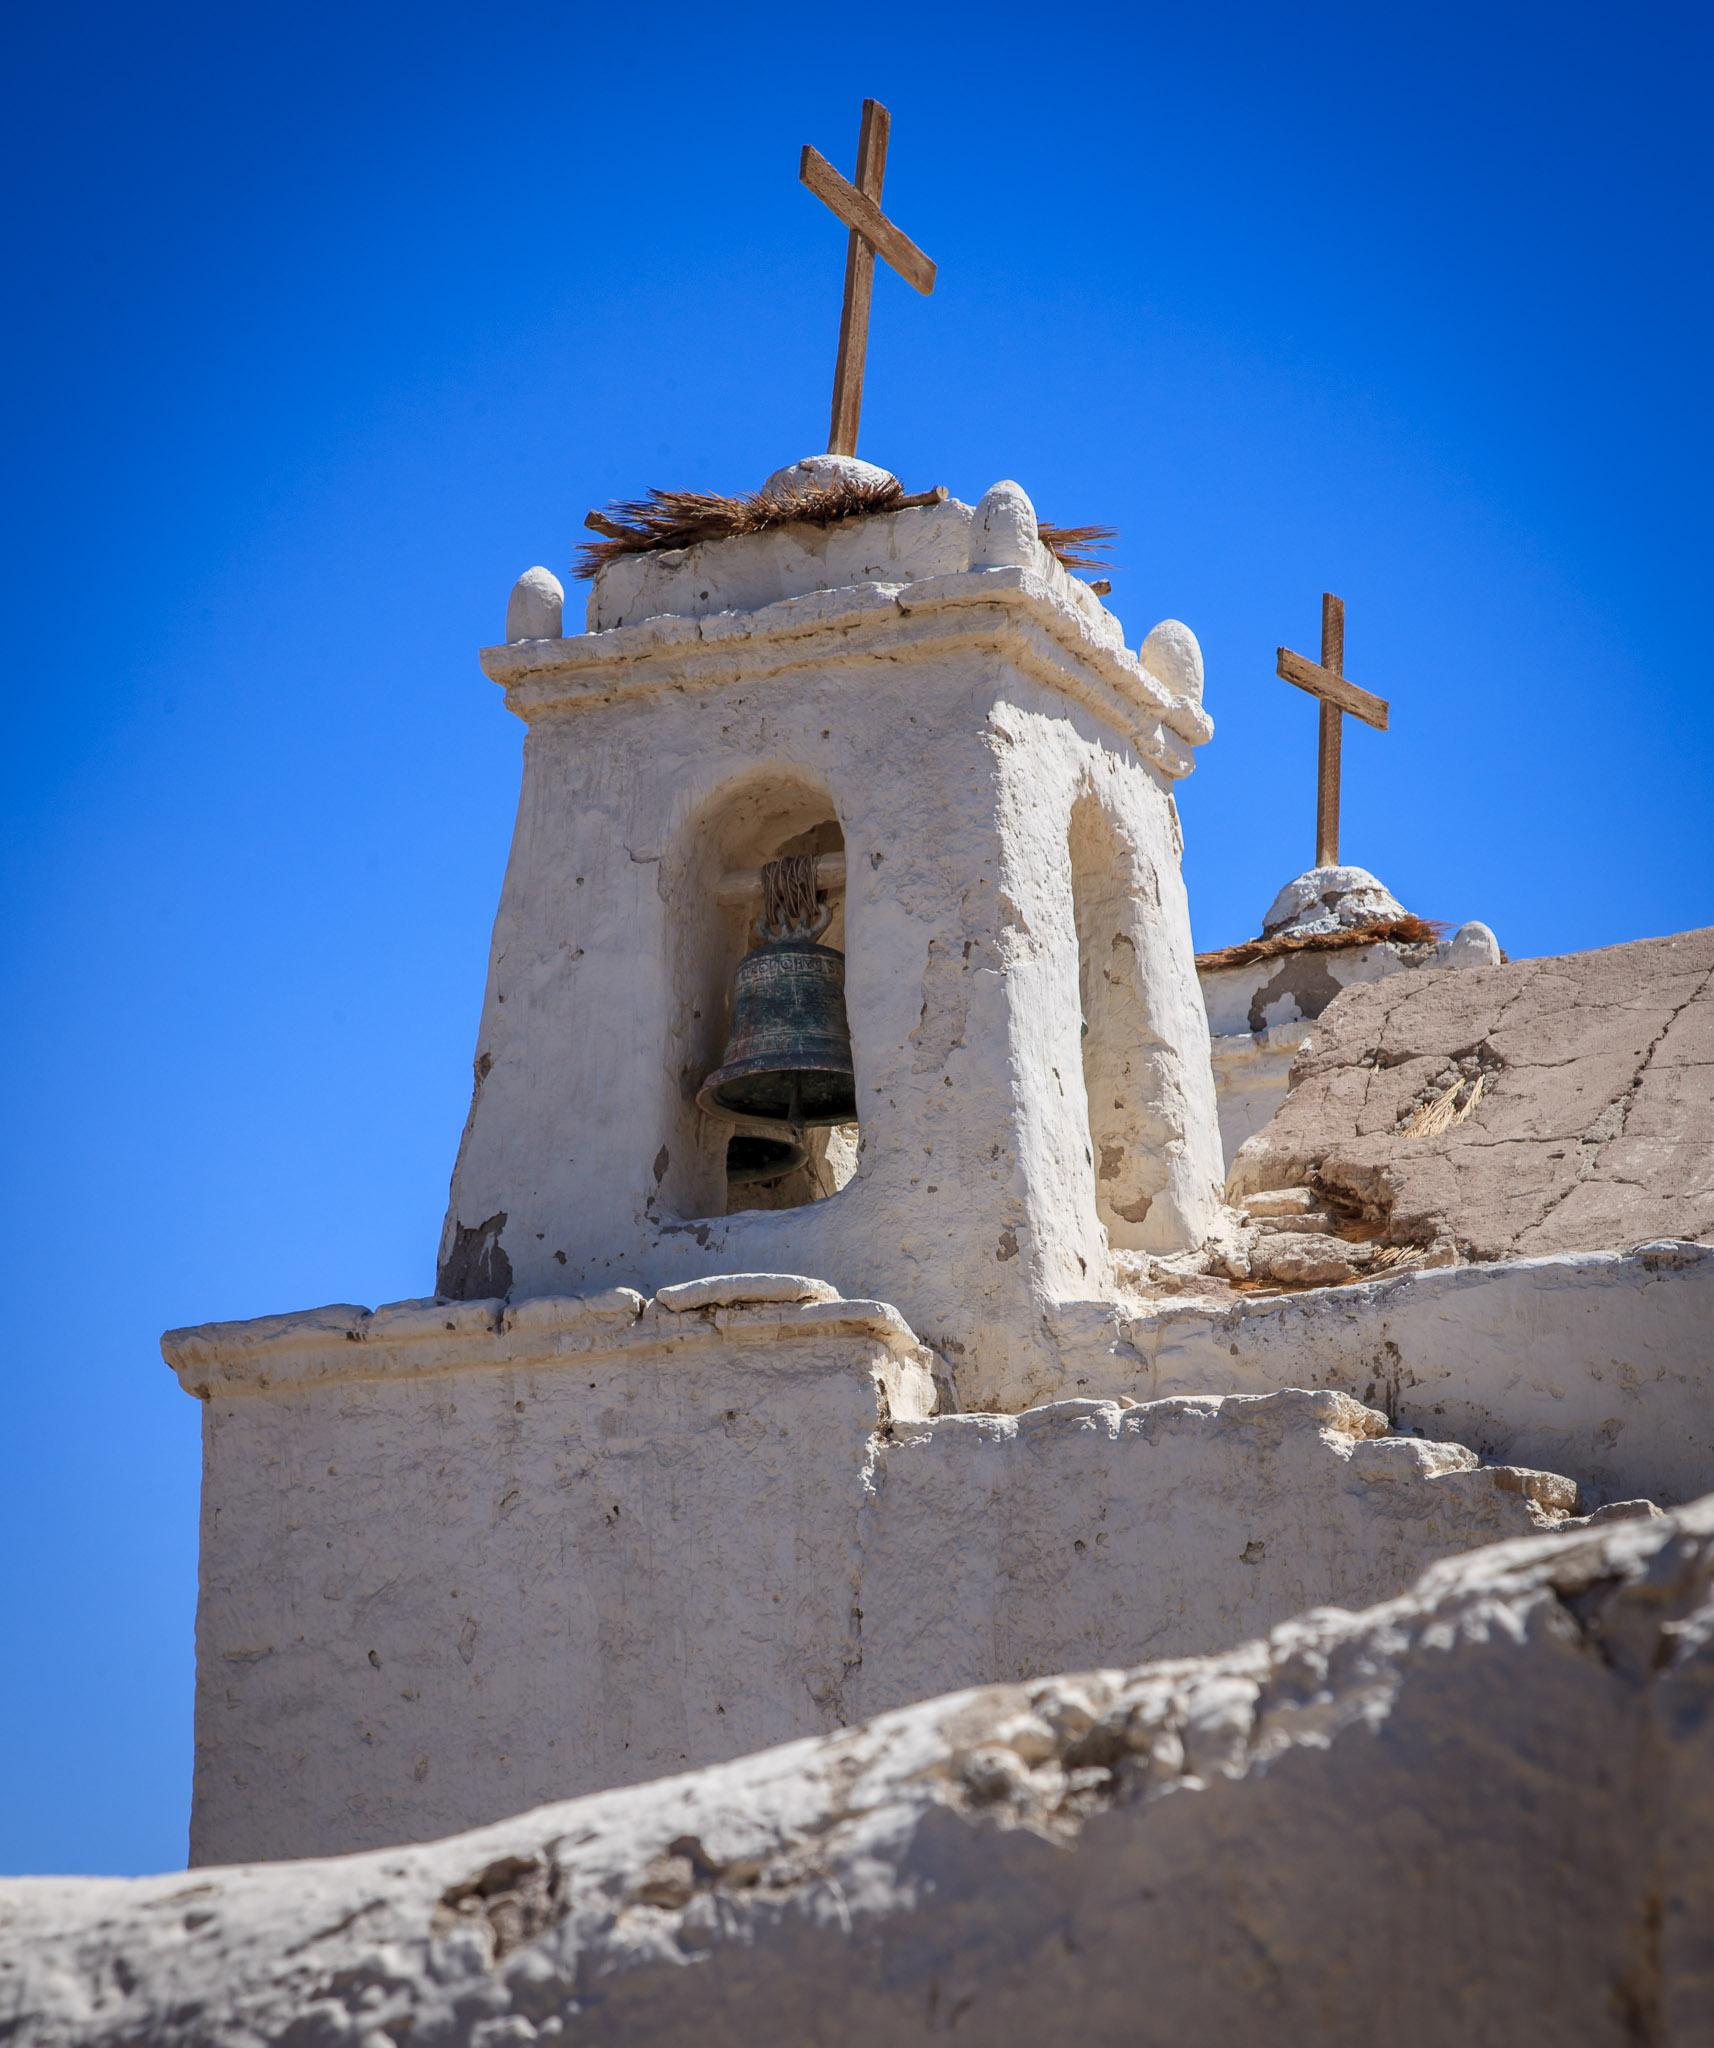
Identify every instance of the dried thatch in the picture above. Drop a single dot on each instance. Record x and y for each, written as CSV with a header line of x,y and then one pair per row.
x,y
1434,1119
1078,547
1402,931
679,519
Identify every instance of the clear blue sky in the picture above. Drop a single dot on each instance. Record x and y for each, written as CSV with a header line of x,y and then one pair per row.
x,y
327,321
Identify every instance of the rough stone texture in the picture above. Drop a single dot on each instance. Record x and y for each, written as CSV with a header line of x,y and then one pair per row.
x,y
1478,1815
1599,1364
1594,1127
1330,899
816,472
946,729
1260,1012
457,1559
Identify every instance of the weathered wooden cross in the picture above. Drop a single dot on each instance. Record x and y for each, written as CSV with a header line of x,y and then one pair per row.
x,y
872,234
1327,682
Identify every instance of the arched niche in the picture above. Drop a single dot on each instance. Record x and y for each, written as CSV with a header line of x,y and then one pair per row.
x,y
1134,1114
715,901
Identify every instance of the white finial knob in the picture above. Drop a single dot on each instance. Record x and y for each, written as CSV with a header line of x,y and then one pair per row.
x,y
1474,945
1003,532
536,610
1172,655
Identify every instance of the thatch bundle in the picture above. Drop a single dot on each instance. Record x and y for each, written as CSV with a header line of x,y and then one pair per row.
x,y
1408,930
1447,1110
680,519
1078,547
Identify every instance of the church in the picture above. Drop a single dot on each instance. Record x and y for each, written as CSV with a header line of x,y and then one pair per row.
x,y
966,1465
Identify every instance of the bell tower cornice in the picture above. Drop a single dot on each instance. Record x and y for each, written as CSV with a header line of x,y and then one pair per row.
x,y
1008,610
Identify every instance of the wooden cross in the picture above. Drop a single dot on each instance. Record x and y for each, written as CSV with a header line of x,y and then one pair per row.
x,y
872,234
1327,682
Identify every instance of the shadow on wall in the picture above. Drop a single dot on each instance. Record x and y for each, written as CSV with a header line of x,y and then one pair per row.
x,y
1124,1070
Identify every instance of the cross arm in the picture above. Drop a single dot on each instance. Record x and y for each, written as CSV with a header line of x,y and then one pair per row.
x,y
1331,689
859,211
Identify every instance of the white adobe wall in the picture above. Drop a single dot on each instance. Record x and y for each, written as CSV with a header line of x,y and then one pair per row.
x,y
1098,1532
1478,1814
946,727
457,1559
1252,1075
760,569
1599,1364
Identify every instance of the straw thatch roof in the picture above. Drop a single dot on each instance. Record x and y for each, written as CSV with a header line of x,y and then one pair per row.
x,y
680,519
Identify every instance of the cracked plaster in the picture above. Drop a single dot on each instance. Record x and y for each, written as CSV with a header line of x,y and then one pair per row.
x,y
1595,1127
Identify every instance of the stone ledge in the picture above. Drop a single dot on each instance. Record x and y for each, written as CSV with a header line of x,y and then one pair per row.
x,y
1598,1363
1390,1290
1362,1434
1031,619
743,1290
411,1339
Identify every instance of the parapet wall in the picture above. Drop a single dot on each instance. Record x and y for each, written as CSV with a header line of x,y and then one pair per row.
x,y
459,1558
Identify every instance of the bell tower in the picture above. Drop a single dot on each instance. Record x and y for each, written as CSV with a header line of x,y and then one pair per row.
x,y
920,716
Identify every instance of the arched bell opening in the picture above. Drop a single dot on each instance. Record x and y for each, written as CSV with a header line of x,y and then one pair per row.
x,y
1125,1071
739,1146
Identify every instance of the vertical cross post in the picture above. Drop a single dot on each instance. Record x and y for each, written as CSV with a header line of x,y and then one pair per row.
x,y
872,235
1326,681
859,283
1327,778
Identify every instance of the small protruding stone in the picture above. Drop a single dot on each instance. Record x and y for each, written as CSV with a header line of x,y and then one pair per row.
x,y
1330,900
1003,533
1173,656
536,610
744,1290
1279,1202
1474,945
1310,1260
819,472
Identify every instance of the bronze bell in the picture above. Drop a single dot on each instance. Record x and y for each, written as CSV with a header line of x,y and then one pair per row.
x,y
759,1152
788,1057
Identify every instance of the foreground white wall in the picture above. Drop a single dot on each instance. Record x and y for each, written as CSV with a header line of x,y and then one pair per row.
x,y
451,1571
1478,1815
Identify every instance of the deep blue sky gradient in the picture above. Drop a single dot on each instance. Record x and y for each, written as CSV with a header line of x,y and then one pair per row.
x,y
328,321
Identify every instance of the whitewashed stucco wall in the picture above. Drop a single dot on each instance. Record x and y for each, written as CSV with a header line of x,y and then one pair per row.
x,y
1599,1364
449,1573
